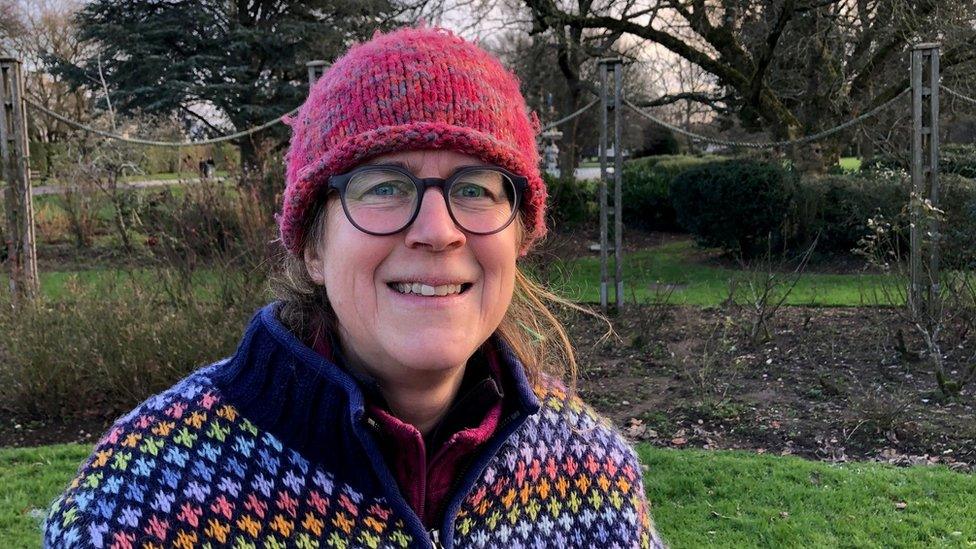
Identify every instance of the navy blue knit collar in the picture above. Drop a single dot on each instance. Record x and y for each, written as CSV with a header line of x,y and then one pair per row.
x,y
289,390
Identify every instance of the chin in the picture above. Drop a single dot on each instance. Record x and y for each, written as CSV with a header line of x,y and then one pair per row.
x,y
432,355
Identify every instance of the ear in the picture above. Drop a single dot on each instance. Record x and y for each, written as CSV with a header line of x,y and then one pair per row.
x,y
313,264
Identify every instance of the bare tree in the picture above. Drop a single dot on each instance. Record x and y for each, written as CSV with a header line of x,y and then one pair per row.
x,y
34,34
789,67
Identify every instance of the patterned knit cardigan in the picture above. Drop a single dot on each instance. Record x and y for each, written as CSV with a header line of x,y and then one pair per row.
x,y
270,448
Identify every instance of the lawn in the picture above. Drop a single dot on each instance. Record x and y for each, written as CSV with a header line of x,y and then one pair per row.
x,y
699,498
31,478
648,271
738,499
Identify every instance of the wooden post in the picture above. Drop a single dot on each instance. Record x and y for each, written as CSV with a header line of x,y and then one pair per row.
x,y
618,175
933,172
603,187
915,265
18,200
607,244
923,294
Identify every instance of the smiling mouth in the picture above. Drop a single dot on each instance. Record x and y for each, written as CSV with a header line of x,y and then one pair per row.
x,y
417,288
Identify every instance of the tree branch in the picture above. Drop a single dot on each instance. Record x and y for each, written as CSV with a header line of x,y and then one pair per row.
x,y
217,131
769,106
698,97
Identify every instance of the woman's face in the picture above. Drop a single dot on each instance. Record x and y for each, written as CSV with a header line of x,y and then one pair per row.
x,y
391,333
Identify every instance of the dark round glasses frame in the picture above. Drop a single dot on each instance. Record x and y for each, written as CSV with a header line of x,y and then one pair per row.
x,y
340,181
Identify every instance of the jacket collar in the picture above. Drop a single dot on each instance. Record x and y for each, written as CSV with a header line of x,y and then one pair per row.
x,y
306,400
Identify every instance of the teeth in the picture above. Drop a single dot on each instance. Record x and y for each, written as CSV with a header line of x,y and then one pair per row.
x,y
425,290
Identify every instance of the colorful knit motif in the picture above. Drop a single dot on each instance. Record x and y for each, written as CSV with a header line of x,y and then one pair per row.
x,y
226,458
566,480
411,89
186,470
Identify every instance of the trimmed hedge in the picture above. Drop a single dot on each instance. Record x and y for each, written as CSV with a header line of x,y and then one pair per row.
x,y
740,206
837,207
646,188
736,203
958,200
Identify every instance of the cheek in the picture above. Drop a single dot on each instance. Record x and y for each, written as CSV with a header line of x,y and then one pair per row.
x,y
498,261
351,259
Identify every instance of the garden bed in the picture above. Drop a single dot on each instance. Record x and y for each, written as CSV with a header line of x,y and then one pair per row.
x,y
830,385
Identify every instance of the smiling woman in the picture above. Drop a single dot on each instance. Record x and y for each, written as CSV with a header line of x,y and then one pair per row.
x,y
410,387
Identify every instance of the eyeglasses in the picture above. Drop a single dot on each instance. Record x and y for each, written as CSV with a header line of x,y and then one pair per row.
x,y
384,199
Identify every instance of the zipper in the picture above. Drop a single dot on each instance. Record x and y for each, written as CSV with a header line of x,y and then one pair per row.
x,y
423,486
374,425
435,538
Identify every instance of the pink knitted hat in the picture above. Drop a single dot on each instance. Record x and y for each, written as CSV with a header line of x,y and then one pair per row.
x,y
410,89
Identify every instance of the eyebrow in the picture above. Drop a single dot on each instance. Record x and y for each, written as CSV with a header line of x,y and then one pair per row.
x,y
397,163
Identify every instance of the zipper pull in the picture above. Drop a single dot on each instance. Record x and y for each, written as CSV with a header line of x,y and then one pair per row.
x,y
435,538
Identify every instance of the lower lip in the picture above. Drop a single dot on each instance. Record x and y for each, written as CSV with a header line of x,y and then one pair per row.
x,y
432,302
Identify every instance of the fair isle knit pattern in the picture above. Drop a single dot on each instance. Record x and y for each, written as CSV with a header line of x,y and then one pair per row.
x,y
188,468
566,480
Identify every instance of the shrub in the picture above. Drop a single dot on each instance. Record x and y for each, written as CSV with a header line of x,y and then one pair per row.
x,y
52,223
958,159
571,202
958,201
43,157
212,226
124,337
741,206
112,349
646,184
954,158
837,208
657,140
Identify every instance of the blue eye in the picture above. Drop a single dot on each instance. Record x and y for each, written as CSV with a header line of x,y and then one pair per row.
x,y
470,191
385,189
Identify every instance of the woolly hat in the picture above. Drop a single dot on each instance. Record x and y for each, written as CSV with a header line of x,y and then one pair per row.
x,y
410,89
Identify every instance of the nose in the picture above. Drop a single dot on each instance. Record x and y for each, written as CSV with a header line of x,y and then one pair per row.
x,y
434,228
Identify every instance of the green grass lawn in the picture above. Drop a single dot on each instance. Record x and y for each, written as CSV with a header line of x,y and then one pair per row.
x,y
647,271
738,499
58,285
31,479
699,498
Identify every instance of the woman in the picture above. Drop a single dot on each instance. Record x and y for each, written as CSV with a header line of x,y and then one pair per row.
x,y
404,391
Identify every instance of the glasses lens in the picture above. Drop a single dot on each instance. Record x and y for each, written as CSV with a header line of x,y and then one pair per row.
x,y
483,200
380,200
